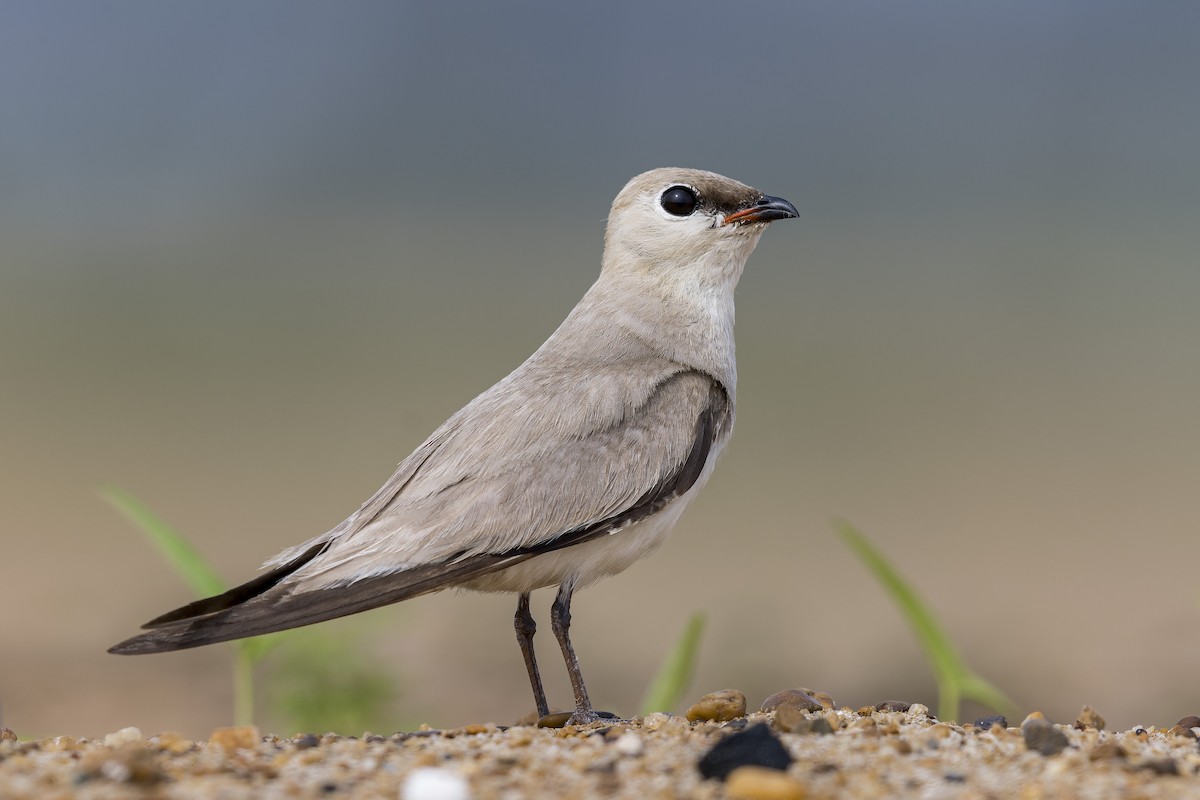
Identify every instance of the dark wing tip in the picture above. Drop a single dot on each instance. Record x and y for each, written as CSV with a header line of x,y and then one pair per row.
x,y
143,643
238,594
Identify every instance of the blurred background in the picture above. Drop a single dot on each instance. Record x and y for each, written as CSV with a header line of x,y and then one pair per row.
x,y
252,254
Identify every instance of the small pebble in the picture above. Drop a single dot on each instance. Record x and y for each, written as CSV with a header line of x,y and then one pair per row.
x,y
123,736
245,737
305,741
759,783
986,723
722,706
658,719
893,705
821,697
756,746
790,719
172,742
1107,751
1185,727
1160,766
6,735
558,720
1089,718
1041,735
629,744
792,697
435,783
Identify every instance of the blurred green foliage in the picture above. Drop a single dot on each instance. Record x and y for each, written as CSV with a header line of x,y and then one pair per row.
x,y
326,680
675,674
320,681
955,680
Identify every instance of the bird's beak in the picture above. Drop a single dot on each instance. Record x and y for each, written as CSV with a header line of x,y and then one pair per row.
x,y
765,210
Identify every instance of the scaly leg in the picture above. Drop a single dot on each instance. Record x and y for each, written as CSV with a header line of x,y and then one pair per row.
x,y
526,628
560,620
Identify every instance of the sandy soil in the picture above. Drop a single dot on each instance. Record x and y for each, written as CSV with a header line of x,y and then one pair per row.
x,y
893,750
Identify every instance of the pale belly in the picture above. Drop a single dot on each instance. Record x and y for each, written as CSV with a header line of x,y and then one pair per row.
x,y
586,563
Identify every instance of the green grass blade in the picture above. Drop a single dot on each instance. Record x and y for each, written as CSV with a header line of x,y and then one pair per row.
x,y
675,674
205,582
186,560
955,680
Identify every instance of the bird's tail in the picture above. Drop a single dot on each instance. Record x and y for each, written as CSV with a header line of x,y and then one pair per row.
x,y
267,604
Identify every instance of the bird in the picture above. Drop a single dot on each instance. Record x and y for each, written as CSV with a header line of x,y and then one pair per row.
x,y
568,470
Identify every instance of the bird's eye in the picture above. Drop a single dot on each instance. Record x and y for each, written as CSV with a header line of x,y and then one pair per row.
x,y
678,201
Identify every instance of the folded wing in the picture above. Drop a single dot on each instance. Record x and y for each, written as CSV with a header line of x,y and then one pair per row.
x,y
519,472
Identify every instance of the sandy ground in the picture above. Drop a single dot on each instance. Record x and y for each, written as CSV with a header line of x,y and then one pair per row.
x,y
893,750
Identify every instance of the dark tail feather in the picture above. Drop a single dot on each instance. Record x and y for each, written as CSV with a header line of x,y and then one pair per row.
x,y
268,611
238,594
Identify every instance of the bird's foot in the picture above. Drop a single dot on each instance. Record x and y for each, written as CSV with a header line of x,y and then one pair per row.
x,y
576,719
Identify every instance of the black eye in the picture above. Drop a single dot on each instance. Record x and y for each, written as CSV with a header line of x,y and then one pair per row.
x,y
679,201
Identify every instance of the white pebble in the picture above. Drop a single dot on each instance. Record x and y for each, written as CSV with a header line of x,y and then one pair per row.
x,y
115,771
630,744
123,736
653,722
435,783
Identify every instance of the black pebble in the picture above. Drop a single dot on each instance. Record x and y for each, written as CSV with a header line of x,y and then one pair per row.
x,y
306,741
756,746
986,723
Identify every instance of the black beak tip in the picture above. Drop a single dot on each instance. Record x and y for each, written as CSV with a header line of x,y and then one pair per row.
x,y
773,208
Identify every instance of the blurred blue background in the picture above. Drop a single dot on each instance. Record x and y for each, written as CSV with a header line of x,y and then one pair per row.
x,y
252,253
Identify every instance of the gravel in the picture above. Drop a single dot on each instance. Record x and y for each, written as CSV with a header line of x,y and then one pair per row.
x,y
870,753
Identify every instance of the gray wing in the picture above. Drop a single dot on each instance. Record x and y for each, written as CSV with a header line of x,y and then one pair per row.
x,y
519,472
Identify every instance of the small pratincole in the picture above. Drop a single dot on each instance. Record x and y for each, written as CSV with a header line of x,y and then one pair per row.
x,y
568,470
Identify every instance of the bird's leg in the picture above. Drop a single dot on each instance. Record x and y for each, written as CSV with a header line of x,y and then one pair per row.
x,y
526,628
560,620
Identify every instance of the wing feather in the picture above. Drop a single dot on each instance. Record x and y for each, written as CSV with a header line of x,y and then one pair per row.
x,y
284,598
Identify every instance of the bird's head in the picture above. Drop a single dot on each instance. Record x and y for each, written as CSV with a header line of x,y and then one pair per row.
x,y
686,225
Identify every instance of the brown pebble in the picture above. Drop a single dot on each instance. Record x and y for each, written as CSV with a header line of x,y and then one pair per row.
x,y
245,737
533,716
1107,751
793,697
760,783
893,705
1089,718
1160,766
864,726
821,697
558,720
790,719
722,706
171,742
1041,735
6,735
1185,727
